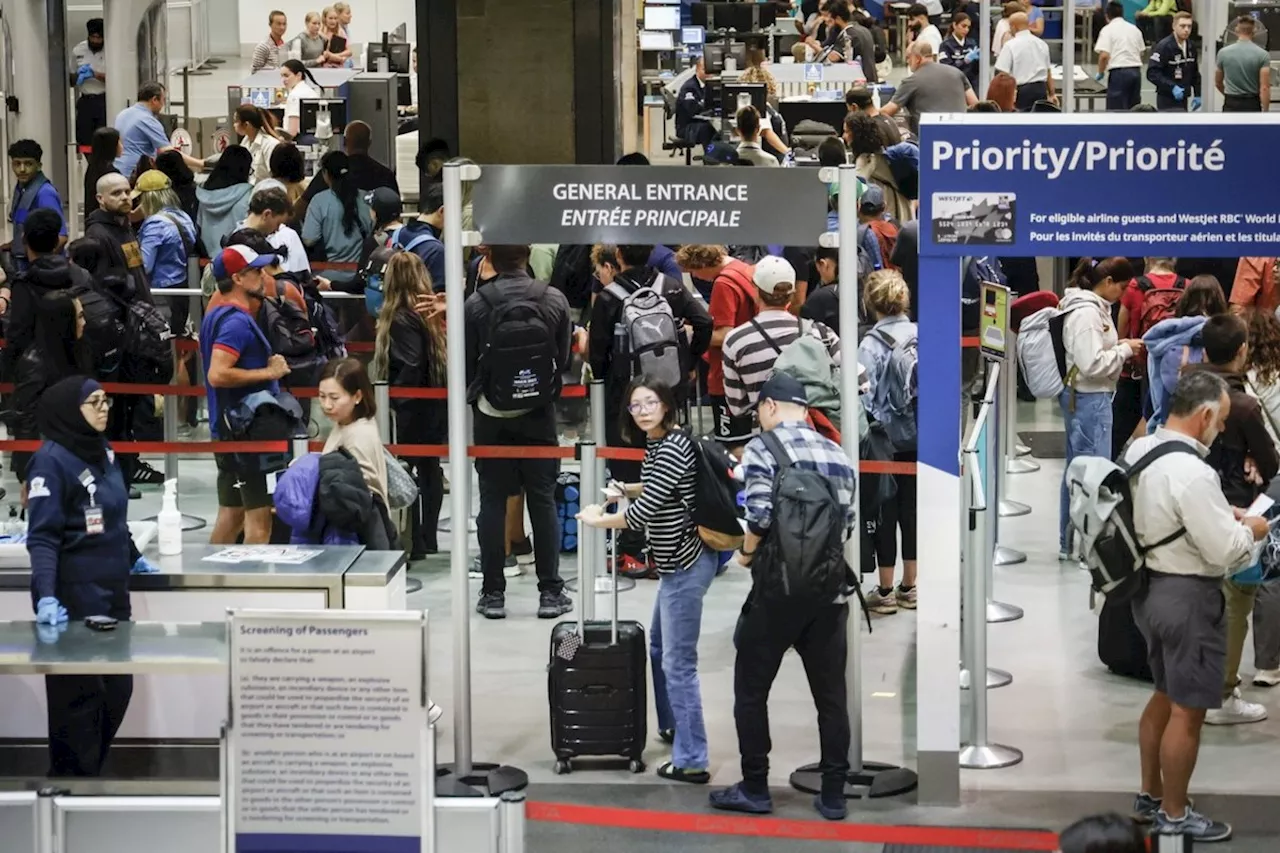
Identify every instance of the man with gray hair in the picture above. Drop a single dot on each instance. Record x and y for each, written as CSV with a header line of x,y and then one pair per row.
x,y
1195,539
1026,58
931,88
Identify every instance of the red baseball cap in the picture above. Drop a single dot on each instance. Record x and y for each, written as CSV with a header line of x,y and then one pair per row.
x,y
237,259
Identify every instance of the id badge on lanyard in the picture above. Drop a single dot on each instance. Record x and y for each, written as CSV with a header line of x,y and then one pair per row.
x,y
93,521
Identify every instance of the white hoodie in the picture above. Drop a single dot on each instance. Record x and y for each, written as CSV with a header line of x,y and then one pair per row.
x,y
1091,342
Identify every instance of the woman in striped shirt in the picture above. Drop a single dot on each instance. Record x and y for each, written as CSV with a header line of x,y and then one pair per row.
x,y
662,506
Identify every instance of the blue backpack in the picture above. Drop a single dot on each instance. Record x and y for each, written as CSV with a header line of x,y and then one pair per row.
x,y
904,163
375,269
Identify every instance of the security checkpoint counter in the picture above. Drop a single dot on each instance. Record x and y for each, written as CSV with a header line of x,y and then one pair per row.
x,y
174,718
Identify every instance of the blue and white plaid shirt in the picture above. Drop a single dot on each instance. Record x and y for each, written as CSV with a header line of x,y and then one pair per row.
x,y
807,449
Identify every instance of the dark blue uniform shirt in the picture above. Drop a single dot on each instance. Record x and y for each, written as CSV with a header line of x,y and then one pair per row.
x,y
87,572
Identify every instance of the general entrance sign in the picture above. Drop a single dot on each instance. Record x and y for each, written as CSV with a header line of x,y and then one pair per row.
x,y
656,204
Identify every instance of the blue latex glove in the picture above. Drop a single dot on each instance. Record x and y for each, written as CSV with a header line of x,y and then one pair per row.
x,y
50,633
50,612
1100,76
1179,93
144,567
1196,103
83,73
973,55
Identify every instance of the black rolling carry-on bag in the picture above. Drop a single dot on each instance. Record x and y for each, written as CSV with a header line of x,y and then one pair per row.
x,y
597,683
1121,646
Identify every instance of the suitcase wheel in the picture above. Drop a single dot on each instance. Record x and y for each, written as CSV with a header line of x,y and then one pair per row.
x,y
636,766
563,767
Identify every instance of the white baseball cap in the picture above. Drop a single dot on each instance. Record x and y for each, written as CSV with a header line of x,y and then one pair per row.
x,y
772,271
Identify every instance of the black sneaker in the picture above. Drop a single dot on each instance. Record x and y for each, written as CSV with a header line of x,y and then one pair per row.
x,y
145,475
492,605
553,604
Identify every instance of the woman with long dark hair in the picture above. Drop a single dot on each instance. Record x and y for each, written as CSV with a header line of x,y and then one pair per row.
x,y
960,50
662,502
338,218
224,198
59,349
301,85
1095,357
289,167
182,179
409,352
257,129
103,151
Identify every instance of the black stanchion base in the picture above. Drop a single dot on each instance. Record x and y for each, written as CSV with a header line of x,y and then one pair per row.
x,y
485,780
872,782
412,585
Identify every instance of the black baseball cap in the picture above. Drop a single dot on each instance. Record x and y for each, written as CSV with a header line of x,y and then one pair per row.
x,y
782,388
385,203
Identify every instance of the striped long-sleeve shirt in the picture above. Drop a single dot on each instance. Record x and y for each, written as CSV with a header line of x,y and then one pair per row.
x,y
751,349
268,56
663,510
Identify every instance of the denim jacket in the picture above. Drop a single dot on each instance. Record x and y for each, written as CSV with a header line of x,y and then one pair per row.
x,y
164,249
873,354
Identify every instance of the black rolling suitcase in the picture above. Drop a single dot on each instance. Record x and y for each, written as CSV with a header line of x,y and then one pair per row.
x,y
1121,646
597,684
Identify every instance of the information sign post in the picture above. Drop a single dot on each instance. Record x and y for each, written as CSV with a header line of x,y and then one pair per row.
x,y
328,745
1028,185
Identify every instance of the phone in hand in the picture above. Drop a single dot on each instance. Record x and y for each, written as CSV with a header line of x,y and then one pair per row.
x,y
100,623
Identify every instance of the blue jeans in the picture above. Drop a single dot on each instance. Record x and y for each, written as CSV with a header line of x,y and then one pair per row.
x,y
1088,434
673,649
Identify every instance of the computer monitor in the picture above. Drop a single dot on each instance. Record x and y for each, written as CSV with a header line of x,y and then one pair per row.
x,y
662,17
404,91
398,56
737,95
692,35
741,17
713,58
309,108
714,95
656,40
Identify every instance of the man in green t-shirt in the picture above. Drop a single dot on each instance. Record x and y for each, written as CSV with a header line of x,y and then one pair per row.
x,y
1244,72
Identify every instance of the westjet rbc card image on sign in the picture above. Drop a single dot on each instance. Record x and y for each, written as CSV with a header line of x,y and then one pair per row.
x,y
978,219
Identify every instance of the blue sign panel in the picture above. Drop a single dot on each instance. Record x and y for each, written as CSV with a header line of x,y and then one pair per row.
x,y
1101,185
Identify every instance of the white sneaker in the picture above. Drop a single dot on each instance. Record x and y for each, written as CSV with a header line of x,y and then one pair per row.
x,y
1266,677
1236,710
434,713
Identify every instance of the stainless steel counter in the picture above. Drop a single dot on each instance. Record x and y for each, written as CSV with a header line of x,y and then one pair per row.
x,y
137,648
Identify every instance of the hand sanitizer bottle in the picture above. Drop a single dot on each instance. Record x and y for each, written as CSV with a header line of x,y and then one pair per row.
x,y
170,521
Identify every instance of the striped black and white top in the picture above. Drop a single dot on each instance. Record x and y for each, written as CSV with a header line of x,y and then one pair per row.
x,y
663,510
751,349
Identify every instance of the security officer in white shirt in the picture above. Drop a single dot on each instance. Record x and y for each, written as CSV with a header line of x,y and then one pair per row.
x,y
1174,68
1026,58
1120,46
89,76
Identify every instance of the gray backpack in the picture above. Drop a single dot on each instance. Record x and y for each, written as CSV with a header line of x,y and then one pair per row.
x,y
646,335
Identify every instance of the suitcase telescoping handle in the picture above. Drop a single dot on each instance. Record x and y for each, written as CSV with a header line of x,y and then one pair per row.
x,y
584,547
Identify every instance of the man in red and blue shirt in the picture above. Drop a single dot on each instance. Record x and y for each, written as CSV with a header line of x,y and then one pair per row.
x,y
238,362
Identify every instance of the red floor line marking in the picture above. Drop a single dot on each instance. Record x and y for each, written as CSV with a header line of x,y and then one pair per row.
x,y
798,830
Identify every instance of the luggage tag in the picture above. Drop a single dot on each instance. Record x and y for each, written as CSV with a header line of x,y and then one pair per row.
x,y
93,521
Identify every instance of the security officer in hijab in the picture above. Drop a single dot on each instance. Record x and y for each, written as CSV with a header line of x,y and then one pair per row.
x,y
81,558
89,77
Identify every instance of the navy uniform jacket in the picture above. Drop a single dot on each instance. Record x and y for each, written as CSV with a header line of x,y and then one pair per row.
x,y
88,574
1168,67
690,103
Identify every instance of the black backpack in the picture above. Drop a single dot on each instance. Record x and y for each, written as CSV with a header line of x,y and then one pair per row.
x,y
571,274
330,343
103,327
802,556
288,330
518,364
148,342
715,509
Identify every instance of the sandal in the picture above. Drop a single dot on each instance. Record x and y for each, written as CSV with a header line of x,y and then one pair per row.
x,y
680,774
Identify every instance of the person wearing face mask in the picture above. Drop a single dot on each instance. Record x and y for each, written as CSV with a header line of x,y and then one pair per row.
x,y
1177,499
238,361
1095,357
81,558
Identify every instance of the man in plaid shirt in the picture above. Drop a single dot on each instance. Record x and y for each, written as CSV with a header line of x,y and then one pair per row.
x,y
766,630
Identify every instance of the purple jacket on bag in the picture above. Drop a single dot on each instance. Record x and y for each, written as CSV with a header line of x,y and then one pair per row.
x,y
295,500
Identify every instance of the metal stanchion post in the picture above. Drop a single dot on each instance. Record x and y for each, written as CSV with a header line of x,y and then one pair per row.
x,y
984,47
996,611
995,467
978,753
45,820
1068,102
1015,449
595,393
1009,426
512,822
75,223
464,775
866,778
382,401
589,490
